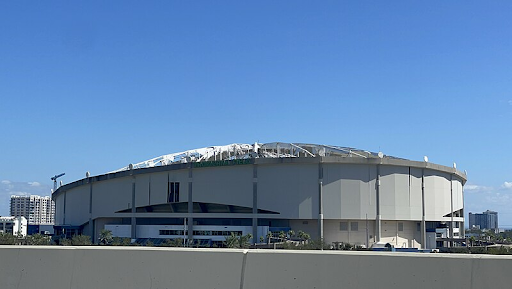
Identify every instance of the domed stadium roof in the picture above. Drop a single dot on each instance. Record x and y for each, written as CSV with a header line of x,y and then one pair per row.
x,y
257,150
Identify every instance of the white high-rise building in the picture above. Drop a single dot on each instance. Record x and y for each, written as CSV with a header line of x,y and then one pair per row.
x,y
13,225
36,209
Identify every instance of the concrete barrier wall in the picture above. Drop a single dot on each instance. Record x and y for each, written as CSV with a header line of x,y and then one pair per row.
x,y
147,267
118,267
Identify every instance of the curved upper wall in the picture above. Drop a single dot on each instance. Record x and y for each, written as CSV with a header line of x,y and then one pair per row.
x,y
317,159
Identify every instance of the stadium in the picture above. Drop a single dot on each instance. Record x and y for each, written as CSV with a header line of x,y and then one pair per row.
x,y
333,193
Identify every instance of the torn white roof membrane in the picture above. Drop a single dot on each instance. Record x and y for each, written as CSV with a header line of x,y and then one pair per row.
x,y
246,151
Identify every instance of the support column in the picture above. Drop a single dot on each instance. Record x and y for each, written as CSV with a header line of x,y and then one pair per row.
x,y
91,228
378,222
450,244
64,210
423,229
462,224
255,204
133,219
320,202
190,220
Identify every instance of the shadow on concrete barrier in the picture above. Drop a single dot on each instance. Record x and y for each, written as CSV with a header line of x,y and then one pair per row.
x,y
150,267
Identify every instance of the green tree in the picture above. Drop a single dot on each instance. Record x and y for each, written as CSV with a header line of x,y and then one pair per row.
x,y
245,241
269,237
234,241
282,236
172,243
291,234
472,241
8,239
64,242
38,239
81,240
490,236
119,241
231,241
304,237
105,237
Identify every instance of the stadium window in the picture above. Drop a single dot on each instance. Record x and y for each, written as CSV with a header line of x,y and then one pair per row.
x,y
400,227
173,192
354,226
343,226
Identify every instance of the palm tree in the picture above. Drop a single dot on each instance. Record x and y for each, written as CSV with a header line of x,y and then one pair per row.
x,y
232,241
244,241
282,236
304,237
106,237
472,240
269,237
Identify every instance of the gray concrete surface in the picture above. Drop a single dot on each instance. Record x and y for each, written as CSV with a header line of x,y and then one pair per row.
x,y
118,267
146,267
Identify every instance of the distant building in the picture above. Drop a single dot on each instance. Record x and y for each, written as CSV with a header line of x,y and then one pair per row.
x,y
36,209
40,229
13,225
487,220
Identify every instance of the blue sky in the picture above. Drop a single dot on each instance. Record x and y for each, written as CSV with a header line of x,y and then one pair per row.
x,y
93,86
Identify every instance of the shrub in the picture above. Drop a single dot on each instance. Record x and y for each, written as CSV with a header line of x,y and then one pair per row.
x,y
38,239
8,239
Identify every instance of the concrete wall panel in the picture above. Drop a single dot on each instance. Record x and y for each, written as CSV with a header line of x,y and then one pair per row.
x,y
152,188
437,195
286,269
225,185
139,267
142,190
77,205
110,196
387,192
291,189
159,188
349,191
308,226
333,232
458,202
180,176
94,267
416,206
59,209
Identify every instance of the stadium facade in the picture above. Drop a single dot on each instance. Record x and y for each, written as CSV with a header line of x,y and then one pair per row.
x,y
335,193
